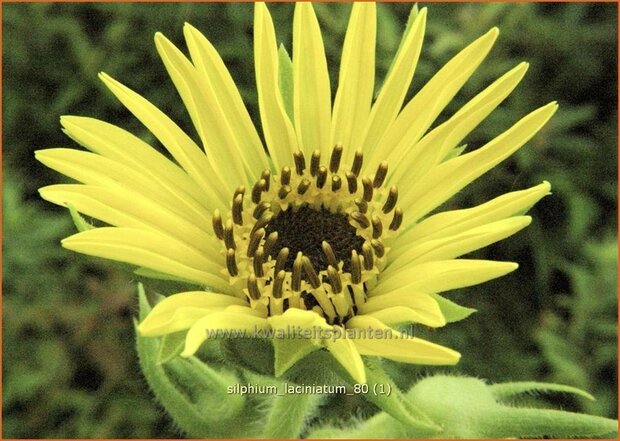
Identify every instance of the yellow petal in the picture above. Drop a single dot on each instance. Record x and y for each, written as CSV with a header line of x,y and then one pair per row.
x,y
423,305
178,319
312,93
277,128
181,311
357,77
448,223
222,88
237,322
398,315
433,98
126,208
152,250
169,181
395,87
180,146
451,176
400,347
216,134
414,160
454,246
443,275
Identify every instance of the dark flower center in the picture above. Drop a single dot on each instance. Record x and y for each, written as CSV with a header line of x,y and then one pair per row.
x,y
305,228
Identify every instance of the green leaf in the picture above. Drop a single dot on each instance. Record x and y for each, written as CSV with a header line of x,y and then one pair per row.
x,y
285,80
395,403
503,391
289,351
170,346
451,311
80,223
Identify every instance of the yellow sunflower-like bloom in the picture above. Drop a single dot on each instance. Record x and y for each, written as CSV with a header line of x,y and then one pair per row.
x,y
330,230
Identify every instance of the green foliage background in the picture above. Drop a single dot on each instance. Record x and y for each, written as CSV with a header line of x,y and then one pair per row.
x,y
69,365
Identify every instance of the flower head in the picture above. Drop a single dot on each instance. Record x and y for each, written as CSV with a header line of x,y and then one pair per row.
x,y
332,228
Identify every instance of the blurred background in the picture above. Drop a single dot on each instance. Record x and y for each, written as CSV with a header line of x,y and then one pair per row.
x,y
69,366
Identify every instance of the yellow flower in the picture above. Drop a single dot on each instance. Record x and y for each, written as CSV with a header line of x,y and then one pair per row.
x,y
329,231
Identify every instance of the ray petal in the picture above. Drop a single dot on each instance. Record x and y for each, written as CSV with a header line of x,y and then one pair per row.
x,y
152,250
451,176
216,134
456,245
433,98
277,127
180,311
392,94
448,223
229,102
181,147
312,94
443,275
414,160
399,347
356,79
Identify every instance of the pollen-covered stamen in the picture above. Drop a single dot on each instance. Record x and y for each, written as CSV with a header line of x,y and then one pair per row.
x,y
263,221
300,162
397,220
351,182
284,191
258,189
315,162
303,187
231,263
270,243
378,247
361,219
334,279
391,200
301,240
278,284
356,268
329,254
321,177
297,272
218,226
285,176
260,209
255,241
369,260
313,277
380,175
258,262
362,205
368,189
266,176
377,226
229,237
237,209
334,160
281,260
358,160
336,183
253,289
